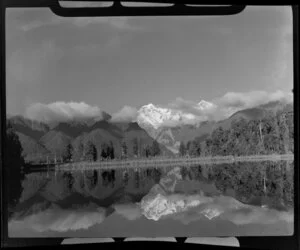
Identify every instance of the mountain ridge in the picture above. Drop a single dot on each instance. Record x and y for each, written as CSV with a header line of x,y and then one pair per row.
x,y
37,142
169,137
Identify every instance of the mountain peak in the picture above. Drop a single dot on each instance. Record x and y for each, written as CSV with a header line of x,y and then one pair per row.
x,y
205,105
150,105
156,117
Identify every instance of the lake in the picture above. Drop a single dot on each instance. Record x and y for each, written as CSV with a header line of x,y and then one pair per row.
x,y
240,199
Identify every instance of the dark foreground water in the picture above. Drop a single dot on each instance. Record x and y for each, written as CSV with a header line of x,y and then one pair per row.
x,y
211,200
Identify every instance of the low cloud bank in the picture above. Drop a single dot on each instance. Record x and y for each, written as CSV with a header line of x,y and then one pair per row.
x,y
179,111
59,220
61,111
128,211
126,114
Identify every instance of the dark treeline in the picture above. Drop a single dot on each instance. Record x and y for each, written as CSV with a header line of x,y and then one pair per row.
x,y
13,164
273,134
89,152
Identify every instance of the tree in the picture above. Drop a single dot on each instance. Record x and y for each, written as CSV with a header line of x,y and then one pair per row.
x,y
13,163
271,137
78,149
124,149
147,151
208,147
56,143
155,149
135,147
68,154
188,145
111,150
108,151
194,148
283,132
182,149
290,123
90,151
220,141
104,147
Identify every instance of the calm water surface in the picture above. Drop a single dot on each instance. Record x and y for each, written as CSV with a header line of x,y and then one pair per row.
x,y
209,200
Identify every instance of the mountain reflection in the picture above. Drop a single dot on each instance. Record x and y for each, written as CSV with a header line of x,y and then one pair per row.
x,y
244,193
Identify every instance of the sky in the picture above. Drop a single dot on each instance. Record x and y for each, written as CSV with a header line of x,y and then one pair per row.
x,y
84,65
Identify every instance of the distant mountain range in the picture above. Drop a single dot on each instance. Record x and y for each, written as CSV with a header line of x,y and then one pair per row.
x,y
38,138
152,124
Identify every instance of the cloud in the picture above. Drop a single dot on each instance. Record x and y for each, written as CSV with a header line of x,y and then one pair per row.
x,y
226,105
58,220
229,209
186,106
186,121
192,107
129,211
126,114
259,215
232,102
61,111
251,99
251,215
180,111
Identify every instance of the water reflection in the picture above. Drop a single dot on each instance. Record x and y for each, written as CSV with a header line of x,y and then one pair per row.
x,y
242,194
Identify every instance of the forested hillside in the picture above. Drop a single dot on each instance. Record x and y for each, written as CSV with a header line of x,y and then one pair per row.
x,y
272,134
80,141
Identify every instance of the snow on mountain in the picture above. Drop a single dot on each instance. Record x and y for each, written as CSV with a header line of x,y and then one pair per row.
x,y
162,200
204,105
158,121
156,116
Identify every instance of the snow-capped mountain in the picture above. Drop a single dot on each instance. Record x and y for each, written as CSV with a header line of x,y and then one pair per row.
x,y
157,116
169,126
204,105
159,121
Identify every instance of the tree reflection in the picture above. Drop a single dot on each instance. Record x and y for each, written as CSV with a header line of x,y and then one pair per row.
x,y
125,177
108,177
156,175
265,183
92,179
137,179
68,180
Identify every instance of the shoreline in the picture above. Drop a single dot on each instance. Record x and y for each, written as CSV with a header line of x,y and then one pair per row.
x,y
170,162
